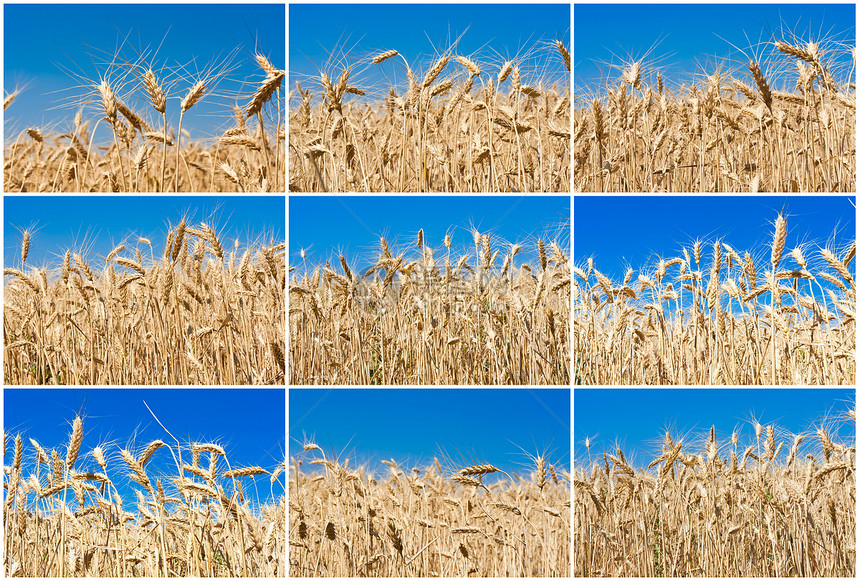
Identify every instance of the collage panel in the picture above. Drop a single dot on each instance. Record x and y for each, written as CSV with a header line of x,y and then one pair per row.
x,y
146,100
694,482
429,482
145,482
710,290
460,290
144,290
709,98
415,98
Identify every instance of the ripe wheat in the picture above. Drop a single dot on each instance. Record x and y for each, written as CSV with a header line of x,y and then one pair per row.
x,y
65,522
433,317
196,315
347,522
756,509
728,321
734,132
137,160
465,133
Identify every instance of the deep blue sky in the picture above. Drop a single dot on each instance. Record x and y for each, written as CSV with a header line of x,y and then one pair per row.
x,y
41,48
353,224
638,418
248,423
696,37
97,223
331,36
475,426
635,231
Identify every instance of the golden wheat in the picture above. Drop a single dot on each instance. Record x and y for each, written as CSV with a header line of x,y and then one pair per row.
x,y
429,317
196,315
38,160
732,322
348,522
724,510
75,523
733,132
465,133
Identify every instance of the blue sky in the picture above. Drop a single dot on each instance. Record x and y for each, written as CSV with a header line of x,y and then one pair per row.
x,y
638,418
248,423
96,224
695,38
50,60
331,36
458,426
351,224
635,231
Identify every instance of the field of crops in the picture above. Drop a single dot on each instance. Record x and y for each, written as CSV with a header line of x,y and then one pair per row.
x,y
714,314
71,513
424,522
434,315
462,124
783,121
778,505
196,313
146,154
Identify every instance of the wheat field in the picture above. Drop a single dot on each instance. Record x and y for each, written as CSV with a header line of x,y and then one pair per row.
x,y
455,124
761,316
145,153
423,522
420,315
778,505
66,516
784,120
196,313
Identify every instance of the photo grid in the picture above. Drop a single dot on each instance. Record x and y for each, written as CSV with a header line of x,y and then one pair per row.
x,y
714,261
338,290
145,291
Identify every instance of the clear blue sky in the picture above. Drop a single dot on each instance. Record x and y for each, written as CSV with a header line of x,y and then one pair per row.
x,y
248,423
474,426
41,49
324,225
330,36
638,418
95,224
695,38
636,231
